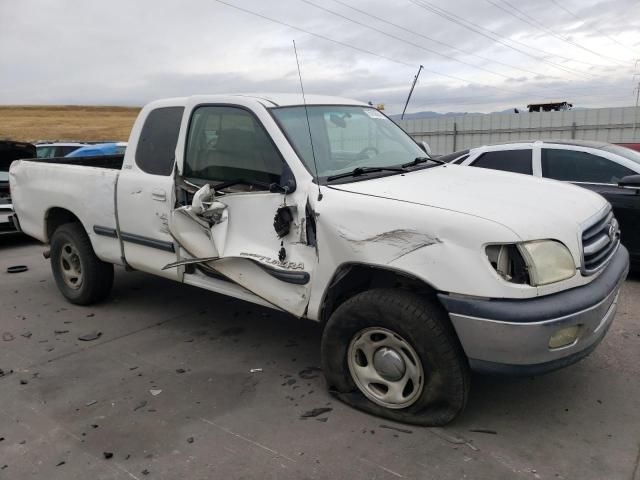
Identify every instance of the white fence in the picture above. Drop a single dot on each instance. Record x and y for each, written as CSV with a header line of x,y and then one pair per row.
x,y
449,134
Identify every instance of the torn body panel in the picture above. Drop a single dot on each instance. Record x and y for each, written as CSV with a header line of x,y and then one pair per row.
x,y
234,235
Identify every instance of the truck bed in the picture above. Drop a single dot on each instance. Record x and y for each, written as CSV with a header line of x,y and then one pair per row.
x,y
86,186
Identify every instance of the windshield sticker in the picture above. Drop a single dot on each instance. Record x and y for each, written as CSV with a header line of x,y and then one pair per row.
x,y
373,113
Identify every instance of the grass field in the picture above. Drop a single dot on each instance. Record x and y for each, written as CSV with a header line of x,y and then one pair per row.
x,y
82,123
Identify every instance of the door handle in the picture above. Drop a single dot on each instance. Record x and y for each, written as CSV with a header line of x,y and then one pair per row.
x,y
159,195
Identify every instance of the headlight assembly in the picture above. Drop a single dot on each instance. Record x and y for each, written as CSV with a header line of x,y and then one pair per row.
x,y
536,263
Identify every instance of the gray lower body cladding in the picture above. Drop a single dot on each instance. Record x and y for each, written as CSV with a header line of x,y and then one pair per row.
x,y
511,337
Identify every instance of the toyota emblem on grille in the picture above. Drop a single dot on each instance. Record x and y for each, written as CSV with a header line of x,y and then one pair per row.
x,y
613,229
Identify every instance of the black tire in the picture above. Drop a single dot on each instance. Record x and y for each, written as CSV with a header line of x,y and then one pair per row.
x,y
97,276
421,322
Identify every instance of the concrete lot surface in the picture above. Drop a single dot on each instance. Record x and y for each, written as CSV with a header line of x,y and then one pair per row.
x,y
168,390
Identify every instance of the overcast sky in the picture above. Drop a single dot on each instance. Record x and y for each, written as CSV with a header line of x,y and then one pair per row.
x,y
479,55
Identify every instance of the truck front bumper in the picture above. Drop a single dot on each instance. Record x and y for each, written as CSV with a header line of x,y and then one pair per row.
x,y
512,337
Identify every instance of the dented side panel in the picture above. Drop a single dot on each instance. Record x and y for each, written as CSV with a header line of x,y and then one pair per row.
x,y
437,246
242,235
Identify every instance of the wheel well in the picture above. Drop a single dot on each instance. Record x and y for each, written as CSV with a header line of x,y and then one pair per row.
x,y
58,216
352,279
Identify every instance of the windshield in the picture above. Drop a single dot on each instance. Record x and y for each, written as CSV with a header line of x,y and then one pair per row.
x,y
625,152
345,138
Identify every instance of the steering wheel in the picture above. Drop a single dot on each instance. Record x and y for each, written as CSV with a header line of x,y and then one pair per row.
x,y
368,149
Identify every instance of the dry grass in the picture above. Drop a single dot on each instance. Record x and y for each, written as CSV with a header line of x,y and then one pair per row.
x,y
33,123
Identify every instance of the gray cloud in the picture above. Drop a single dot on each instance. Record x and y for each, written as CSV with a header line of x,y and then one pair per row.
x,y
127,53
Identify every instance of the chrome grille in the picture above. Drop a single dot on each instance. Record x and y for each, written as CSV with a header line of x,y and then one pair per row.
x,y
599,242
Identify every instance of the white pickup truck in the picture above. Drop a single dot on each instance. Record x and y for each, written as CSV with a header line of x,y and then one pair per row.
x,y
419,271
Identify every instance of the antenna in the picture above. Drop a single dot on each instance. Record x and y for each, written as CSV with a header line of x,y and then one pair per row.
x,y
413,85
306,112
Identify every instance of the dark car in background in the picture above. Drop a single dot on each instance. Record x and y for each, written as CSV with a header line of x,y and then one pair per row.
x,y
10,151
613,171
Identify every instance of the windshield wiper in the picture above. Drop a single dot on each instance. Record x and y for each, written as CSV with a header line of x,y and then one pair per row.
x,y
356,172
419,160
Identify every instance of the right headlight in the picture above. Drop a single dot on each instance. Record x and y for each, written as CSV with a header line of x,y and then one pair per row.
x,y
537,262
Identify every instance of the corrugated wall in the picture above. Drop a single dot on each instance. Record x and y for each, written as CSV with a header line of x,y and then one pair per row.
x,y
448,134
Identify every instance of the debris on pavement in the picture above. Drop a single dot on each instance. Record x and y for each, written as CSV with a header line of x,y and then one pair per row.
x,y
23,381
140,405
26,334
145,472
60,332
90,336
7,336
397,429
92,402
190,440
17,269
59,464
453,438
180,370
315,412
155,392
310,373
107,455
4,373
255,370
483,430
323,419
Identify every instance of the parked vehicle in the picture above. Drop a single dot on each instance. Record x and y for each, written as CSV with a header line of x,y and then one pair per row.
x,y
632,146
10,151
57,149
610,170
98,149
418,270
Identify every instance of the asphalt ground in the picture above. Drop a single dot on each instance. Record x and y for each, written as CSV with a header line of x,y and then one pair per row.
x,y
170,390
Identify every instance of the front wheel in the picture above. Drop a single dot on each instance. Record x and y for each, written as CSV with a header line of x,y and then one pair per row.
x,y
79,274
394,354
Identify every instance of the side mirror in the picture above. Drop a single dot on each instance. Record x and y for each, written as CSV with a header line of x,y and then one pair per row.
x,y
630,181
426,148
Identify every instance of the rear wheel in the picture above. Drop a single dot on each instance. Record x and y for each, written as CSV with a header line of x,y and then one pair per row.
x,y
394,354
79,274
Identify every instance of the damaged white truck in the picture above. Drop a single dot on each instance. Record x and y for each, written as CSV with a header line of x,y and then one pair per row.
x,y
419,271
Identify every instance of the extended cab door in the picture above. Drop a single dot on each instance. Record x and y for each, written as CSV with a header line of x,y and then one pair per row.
x,y
248,222
145,190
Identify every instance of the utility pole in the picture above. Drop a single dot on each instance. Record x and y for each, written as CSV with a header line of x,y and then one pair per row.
x,y
413,85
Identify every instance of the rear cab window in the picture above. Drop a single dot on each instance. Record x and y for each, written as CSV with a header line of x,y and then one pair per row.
x,y
515,161
155,153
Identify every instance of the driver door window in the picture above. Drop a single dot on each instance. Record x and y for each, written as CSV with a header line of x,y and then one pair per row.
x,y
228,146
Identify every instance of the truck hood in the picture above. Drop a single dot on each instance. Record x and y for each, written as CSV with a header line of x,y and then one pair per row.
x,y
531,207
